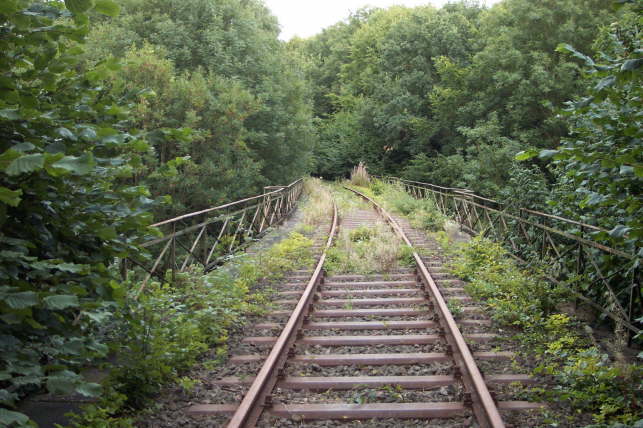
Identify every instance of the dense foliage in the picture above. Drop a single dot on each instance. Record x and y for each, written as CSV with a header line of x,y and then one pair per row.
x,y
91,115
602,159
581,377
64,212
101,101
216,67
450,94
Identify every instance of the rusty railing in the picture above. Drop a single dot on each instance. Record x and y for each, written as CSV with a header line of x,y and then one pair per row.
x,y
606,278
209,236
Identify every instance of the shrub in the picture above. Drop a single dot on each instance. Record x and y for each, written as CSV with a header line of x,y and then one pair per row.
x,y
405,256
68,207
377,187
364,250
361,234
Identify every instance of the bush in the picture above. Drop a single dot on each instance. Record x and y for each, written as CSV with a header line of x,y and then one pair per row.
x,y
363,233
68,207
377,187
406,256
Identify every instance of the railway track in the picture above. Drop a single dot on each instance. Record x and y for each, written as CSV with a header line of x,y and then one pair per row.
x,y
381,347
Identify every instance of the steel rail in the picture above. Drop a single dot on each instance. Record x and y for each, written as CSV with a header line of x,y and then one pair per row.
x,y
484,406
255,400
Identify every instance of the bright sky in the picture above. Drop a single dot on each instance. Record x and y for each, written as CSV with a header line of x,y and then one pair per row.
x,y
305,18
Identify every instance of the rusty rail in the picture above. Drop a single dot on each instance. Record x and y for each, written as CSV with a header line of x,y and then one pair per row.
x,y
250,409
484,406
207,237
603,277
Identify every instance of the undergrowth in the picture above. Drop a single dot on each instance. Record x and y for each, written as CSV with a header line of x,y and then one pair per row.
x,y
583,376
166,331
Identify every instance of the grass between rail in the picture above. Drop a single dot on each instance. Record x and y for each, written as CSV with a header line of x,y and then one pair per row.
x,y
160,336
589,384
367,249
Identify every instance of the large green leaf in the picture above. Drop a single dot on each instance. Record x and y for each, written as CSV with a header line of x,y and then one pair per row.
x,y
566,48
9,114
8,418
25,164
10,197
632,64
526,154
79,6
546,154
76,165
63,382
89,389
62,301
7,157
21,300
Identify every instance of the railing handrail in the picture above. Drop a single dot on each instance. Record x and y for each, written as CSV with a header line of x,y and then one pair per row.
x,y
218,233
468,193
228,205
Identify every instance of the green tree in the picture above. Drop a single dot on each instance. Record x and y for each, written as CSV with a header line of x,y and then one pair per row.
x,y
465,81
217,67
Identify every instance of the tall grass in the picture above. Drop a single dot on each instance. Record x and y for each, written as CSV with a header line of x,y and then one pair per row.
x,y
367,249
359,176
319,206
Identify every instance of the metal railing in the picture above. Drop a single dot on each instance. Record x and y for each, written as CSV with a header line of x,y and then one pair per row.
x,y
606,278
209,236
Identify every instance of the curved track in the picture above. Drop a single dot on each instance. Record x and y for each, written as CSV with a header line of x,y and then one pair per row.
x,y
408,302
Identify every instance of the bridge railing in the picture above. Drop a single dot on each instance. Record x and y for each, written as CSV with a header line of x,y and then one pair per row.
x,y
606,278
210,236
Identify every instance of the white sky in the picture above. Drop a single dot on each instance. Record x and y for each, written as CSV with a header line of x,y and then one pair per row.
x,y
305,18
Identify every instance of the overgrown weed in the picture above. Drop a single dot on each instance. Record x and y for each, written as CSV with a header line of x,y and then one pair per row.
x,y
364,250
319,206
422,213
346,201
586,379
158,337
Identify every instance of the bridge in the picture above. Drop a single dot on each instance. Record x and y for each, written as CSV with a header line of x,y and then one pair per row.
x,y
559,250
